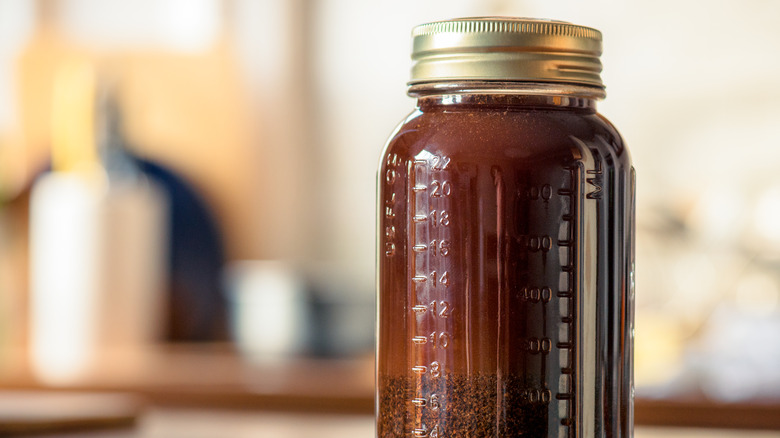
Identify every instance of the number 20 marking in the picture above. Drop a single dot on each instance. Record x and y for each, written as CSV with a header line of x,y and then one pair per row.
x,y
440,189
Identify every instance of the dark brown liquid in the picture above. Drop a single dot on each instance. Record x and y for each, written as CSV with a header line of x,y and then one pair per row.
x,y
504,249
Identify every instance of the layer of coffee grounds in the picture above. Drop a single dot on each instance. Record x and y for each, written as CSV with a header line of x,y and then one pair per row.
x,y
476,406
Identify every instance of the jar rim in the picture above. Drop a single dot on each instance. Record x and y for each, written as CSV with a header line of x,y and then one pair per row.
x,y
423,89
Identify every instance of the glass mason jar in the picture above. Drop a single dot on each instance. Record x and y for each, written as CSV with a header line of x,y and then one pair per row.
x,y
505,241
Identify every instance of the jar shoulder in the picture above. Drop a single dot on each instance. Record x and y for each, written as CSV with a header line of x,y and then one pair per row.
x,y
504,134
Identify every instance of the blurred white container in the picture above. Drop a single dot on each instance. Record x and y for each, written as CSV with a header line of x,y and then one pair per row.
x,y
63,275
269,310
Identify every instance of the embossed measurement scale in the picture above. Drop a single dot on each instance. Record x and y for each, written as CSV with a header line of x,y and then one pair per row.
x,y
430,267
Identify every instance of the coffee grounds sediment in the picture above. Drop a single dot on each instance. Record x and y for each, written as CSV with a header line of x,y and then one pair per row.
x,y
477,406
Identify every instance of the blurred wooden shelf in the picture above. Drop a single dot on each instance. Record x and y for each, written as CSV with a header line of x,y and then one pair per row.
x,y
703,413
215,376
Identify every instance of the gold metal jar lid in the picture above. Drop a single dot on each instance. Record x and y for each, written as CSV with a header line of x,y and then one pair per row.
x,y
506,49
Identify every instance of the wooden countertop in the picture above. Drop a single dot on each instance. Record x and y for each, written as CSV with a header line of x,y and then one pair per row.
x,y
214,376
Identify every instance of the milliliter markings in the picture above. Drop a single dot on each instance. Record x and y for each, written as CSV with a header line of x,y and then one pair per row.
x,y
568,242
420,248
420,369
420,309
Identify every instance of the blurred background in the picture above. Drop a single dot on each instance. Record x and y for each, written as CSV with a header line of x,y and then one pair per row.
x,y
207,240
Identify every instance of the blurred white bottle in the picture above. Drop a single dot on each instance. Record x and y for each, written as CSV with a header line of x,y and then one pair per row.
x,y
98,242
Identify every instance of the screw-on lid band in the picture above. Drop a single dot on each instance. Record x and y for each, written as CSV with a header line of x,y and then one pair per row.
x,y
506,49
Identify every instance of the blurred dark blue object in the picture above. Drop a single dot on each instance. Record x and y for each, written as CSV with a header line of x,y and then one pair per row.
x,y
197,310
